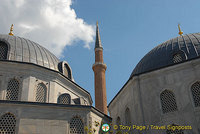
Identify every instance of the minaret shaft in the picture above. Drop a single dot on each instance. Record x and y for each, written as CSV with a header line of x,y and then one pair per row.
x,y
99,56
100,88
99,69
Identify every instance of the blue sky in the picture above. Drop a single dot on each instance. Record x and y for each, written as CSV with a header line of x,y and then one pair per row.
x,y
128,29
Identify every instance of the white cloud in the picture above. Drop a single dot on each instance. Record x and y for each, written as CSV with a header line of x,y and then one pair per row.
x,y
51,23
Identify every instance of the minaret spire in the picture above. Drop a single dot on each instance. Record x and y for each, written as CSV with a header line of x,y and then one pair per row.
x,y
98,39
99,68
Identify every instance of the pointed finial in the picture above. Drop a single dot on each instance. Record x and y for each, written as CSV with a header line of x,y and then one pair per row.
x,y
98,40
11,30
180,32
97,24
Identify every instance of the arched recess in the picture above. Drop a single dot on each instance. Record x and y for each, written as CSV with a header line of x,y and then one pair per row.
x,y
64,99
127,116
76,125
195,89
41,93
65,69
118,121
168,101
179,56
13,91
3,50
7,124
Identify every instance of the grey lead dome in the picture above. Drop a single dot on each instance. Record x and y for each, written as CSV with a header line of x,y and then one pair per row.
x,y
24,50
187,46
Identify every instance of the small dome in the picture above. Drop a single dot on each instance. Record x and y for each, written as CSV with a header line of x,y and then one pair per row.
x,y
177,50
24,50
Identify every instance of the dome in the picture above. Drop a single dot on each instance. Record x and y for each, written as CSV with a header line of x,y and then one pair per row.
x,y
174,51
24,50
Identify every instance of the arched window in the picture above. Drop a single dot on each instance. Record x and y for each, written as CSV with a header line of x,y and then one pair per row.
x,y
195,88
64,99
12,90
7,124
41,93
127,116
3,50
168,101
177,58
118,121
76,126
77,101
176,131
67,71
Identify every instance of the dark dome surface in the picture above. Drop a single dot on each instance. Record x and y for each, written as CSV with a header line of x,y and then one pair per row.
x,y
24,50
187,46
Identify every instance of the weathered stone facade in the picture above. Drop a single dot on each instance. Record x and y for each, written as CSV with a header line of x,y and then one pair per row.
x,y
51,118
29,76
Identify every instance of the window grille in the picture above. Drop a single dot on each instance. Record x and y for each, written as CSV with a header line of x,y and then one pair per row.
x,y
7,124
177,58
12,90
196,93
128,116
76,126
176,131
64,99
3,50
41,92
168,101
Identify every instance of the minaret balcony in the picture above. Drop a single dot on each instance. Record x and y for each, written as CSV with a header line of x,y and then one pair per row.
x,y
99,64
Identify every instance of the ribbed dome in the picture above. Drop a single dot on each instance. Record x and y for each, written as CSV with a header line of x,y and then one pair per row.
x,y
24,50
176,50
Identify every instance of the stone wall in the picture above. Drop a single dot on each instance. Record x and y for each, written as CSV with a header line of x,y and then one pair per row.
x,y
142,95
48,118
30,76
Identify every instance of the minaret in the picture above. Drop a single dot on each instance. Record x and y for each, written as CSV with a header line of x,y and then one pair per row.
x,y
99,68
